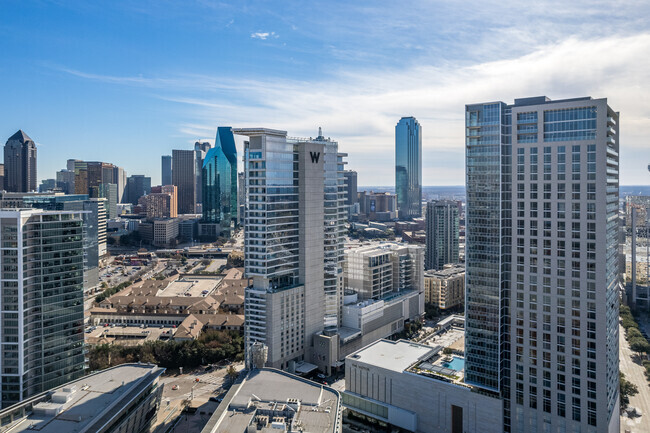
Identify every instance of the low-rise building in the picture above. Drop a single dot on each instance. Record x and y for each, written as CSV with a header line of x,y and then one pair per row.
x,y
159,232
445,288
122,399
269,400
383,380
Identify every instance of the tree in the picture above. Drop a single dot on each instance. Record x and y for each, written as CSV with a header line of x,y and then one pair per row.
x,y
235,259
628,389
231,373
639,345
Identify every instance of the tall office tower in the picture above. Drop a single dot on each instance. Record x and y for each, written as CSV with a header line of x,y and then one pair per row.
x,y
42,301
442,234
137,186
201,149
184,177
220,181
541,261
20,163
241,197
109,192
408,168
161,202
351,187
166,170
294,230
119,175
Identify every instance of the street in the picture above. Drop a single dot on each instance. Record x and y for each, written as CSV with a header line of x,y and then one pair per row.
x,y
634,372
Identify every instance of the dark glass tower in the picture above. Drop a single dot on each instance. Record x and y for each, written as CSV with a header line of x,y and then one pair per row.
x,y
408,168
20,163
219,179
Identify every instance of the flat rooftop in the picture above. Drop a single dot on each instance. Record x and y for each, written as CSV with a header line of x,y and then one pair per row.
x,y
392,355
269,391
88,403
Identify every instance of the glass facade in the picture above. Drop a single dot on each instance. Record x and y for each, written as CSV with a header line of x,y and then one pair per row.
x,y
219,179
488,132
408,168
442,234
42,301
542,227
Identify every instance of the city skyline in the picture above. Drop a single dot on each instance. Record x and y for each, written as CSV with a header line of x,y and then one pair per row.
x,y
147,92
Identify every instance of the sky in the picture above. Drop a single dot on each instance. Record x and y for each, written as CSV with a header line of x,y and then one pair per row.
x,y
128,81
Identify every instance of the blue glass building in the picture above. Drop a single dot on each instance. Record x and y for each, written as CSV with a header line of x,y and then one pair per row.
x,y
408,168
219,179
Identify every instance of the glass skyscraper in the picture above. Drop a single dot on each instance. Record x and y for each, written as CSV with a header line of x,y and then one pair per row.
x,y
219,179
408,168
542,275
42,301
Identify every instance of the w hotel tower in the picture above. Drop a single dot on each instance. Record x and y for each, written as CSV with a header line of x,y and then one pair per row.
x,y
542,273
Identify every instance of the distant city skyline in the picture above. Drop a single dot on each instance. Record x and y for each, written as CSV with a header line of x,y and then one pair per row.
x,y
126,83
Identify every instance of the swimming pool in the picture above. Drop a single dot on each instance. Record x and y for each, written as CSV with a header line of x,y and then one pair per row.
x,y
456,363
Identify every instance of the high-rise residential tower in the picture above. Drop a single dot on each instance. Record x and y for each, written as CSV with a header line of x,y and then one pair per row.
x,y
184,177
542,261
166,170
351,187
42,301
20,163
408,168
294,231
442,234
220,181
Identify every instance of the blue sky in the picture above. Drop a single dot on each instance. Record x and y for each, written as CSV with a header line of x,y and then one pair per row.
x,y
127,81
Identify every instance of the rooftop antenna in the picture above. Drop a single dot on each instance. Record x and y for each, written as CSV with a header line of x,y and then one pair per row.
x,y
320,134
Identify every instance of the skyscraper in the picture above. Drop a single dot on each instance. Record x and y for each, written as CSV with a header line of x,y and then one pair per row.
x,y
220,181
184,177
294,230
42,301
408,168
20,163
137,186
442,234
351,187
201,149
166,170
541,261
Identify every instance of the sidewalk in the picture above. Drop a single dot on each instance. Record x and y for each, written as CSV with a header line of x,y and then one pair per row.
x,y
634,373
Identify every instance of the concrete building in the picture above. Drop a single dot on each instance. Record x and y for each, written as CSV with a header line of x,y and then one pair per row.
x,y
241,198
269,400
442,236
294,230
408,168
542,277
166,170
407,385
445,288
184,178
379,270
161,202
378,206
159,232
42,265
20,163
122,399
108,191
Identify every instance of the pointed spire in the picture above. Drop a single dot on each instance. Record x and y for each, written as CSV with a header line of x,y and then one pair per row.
x,y
20,136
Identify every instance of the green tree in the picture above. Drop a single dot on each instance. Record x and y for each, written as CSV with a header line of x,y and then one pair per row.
x,y
628,389
231,373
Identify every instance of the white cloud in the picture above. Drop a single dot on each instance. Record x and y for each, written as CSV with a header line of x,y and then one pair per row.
x,y
360,108
263,35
